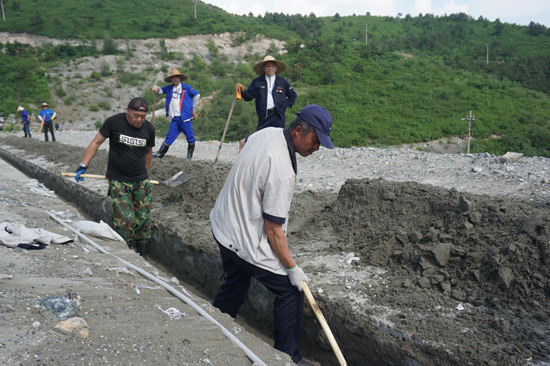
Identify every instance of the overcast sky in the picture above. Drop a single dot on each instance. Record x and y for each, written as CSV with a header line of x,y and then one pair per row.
x,y
521,12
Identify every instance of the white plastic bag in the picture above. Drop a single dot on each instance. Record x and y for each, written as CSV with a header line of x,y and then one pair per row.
x,y
101,230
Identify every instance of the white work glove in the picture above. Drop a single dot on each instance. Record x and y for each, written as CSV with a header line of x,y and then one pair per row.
x,y
296,276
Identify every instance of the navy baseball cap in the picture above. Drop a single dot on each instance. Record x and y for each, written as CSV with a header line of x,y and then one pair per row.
x,y
319,118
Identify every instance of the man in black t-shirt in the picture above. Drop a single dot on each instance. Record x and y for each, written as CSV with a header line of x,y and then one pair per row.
x,y
131,141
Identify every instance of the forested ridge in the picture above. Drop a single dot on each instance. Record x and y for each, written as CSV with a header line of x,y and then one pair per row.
x,y
386,80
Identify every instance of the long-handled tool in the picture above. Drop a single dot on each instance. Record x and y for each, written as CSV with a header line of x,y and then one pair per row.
x,y
154,105
40,131
174,181
324,324
235,98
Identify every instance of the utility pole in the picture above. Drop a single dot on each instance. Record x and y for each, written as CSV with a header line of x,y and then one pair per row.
x,y
195,3
470,119
366,34
3,14
487,44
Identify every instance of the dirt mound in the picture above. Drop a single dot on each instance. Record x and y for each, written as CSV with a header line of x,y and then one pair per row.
x,y
473,247
484,251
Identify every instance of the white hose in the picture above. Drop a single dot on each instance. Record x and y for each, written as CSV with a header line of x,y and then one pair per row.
x,y
175,292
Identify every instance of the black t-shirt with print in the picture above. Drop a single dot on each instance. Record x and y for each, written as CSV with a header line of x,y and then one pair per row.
x,y
127,148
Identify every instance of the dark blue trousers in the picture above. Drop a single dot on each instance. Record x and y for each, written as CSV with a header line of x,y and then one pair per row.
x,y
288,305
273,119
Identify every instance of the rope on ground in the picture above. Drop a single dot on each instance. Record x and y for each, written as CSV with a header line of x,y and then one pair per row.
x,y
172,290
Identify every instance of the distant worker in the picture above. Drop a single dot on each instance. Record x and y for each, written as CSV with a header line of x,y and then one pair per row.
x,y
181,99
273,94
47,115
26,121
131,141
250,217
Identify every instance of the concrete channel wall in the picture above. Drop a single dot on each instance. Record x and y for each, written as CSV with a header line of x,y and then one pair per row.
x,y
358,338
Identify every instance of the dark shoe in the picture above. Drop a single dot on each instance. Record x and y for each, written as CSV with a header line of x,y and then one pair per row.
x,y
131,245
190,150
162,151
304,362
141,247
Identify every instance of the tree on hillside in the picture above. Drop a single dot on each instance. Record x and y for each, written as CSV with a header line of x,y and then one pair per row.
x,y
536,29
499,27
36,21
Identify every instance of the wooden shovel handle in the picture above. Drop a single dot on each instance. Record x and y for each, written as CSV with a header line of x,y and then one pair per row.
x,y
324,324
96,176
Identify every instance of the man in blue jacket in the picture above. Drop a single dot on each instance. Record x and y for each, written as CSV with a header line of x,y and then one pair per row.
x,y
47,116
25,120
273,94
180,101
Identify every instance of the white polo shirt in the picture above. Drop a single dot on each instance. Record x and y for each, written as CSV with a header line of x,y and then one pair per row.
x,y
259,186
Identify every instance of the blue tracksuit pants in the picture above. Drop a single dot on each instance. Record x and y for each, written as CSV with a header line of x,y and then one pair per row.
x,y
176,127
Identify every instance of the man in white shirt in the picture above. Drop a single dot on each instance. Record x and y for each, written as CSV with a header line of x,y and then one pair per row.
x,y
250,217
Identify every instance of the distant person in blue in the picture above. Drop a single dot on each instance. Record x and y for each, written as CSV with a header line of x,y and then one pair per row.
x,y
273,94
25,120
180,101
47,115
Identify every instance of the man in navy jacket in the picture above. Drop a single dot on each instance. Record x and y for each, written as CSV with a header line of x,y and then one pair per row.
x,y
273,94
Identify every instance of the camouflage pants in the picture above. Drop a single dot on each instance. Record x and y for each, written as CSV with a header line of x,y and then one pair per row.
x,y
131,209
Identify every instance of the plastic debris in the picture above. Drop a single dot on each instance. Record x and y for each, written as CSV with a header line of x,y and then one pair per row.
x,y
172,312
120,270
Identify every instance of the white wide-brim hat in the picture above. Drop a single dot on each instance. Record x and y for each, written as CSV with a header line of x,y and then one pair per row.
x,y
259,67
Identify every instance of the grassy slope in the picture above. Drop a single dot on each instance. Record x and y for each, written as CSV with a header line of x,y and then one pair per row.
x,y
376,95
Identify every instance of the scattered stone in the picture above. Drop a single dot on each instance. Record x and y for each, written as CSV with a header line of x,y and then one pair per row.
x,y
463,204
58,307
501,324
442,253
510,157
424,282
415,237
505,276
475,217
445,287
75,327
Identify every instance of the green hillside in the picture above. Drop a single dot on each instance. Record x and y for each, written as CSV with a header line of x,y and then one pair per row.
x,y
413,81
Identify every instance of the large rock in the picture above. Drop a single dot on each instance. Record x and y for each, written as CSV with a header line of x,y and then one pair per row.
x,y
75,327
510,157
59,308
442,253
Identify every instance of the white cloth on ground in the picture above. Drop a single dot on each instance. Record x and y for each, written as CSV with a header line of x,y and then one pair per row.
x,y
13,235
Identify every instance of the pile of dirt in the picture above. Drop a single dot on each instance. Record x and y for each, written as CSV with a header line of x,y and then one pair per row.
x,y
473,248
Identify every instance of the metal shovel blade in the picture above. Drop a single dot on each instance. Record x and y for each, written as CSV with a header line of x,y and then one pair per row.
x,y
177,179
